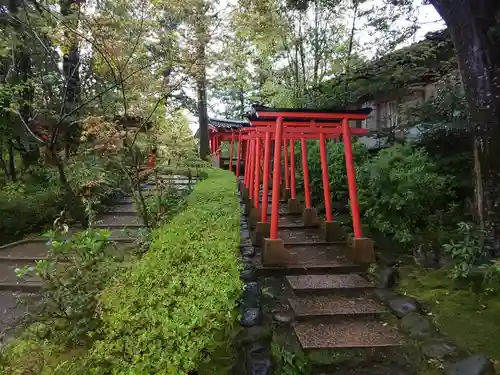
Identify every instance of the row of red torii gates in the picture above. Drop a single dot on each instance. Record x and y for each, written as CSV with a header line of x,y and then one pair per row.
x,y
270,134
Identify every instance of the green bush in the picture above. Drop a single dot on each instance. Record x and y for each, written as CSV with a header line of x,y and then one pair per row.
x,y
77,270
30,353
451,149
170,310
25,209
402,194
336,169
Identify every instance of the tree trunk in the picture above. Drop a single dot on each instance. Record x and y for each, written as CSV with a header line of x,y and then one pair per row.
x,y
73,204
201,86
12,163
3,165
71,65
475,32
201,82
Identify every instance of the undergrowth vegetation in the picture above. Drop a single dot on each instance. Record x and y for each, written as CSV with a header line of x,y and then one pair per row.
x,y
469,318
165,313
27,208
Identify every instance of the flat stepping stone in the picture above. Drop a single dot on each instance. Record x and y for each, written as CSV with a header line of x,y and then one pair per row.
x,y
283,209
11,310
290,221
334,306
328,283
313,259
122,232
112,219
300,235
8,275
346,334
122,208
30,248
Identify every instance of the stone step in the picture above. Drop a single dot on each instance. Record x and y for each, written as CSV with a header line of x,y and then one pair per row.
x,y
300,235
36,248
358,333
12,310
29,248
10,261
120,232
120,219
121,209
311,259
283,210
334,307
341,284
9,279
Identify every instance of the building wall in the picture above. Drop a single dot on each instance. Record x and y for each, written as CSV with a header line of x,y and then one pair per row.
x,y
391,110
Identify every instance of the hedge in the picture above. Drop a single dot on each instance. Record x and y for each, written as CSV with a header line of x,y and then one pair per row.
x,y
174,307
28,213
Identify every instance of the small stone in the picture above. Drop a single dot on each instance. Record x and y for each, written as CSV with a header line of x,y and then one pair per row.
x,y
283,318
402,306
255,334
247,260
251,295
387,277
246,242
259,359
385,295
248,275
439,349
251,317
474,365
248,251
417,326
261,366
249,266
425,307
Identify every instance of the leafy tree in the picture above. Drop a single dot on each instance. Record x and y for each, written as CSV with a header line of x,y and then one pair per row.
x,y
475,31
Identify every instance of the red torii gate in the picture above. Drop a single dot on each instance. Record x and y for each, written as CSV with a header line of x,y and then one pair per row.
x,y
284,125
223,130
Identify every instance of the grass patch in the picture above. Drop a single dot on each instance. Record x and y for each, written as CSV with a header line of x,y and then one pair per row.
x,y
471,324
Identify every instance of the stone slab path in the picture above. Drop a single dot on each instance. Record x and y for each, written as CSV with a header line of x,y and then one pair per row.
x,y
329,303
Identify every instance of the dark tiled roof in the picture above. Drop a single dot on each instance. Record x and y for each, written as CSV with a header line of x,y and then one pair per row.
x,y
227,124
223,124
260,108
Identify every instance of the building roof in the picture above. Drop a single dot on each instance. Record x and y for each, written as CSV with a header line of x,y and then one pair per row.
x,y
215,124
261,108
424,62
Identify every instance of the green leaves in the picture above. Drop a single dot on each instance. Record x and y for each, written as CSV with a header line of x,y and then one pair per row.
x,y
402,194
172,308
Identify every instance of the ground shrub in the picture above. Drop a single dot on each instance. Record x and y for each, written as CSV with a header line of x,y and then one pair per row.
x,y
470,322
403,195
26,209
77,270
165,204
451,150
32,354
175,306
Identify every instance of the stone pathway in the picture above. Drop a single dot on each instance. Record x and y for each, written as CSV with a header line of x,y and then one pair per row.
x,y
118,217
326,300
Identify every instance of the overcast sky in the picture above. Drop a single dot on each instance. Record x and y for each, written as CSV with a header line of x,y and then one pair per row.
x,y
428,19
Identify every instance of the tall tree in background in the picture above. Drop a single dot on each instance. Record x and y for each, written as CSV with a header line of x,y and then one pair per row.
x,y
475,30
201,43
201,89
71,11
